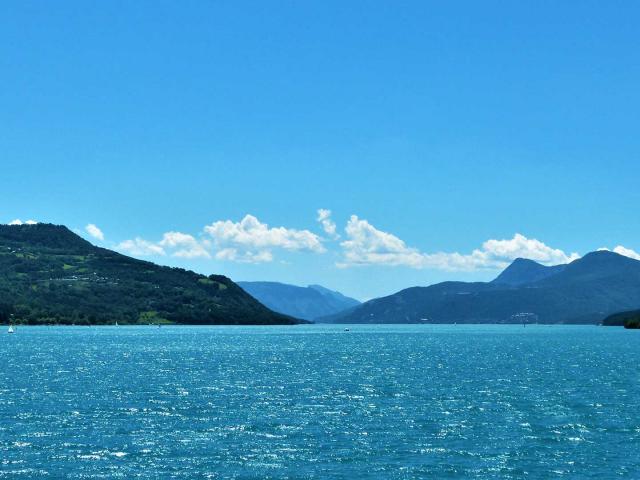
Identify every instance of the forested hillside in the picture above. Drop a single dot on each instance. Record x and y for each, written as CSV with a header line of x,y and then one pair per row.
x,y
48,274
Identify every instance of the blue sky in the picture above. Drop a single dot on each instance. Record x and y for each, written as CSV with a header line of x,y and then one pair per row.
x,y
439,125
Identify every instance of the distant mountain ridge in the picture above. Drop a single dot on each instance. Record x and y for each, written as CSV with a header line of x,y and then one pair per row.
x,y
583,291
523,271
307,303
48,274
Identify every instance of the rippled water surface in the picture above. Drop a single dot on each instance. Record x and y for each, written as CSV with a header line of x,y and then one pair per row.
x,y
318,402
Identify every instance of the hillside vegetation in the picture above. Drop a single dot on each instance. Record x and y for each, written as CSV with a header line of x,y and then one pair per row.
x,y
48,274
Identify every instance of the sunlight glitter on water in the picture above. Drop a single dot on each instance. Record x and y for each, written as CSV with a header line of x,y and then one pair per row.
x,y
316,402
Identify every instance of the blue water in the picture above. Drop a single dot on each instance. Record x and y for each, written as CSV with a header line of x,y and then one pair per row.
x,y
318,402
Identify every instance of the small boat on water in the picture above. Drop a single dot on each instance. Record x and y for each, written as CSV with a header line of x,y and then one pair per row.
x,y
346,329
11,330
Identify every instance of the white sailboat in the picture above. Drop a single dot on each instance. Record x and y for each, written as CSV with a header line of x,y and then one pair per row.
x,y
11,330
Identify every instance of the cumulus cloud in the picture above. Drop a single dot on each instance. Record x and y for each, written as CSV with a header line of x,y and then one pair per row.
x,y
328,225
366,245
17,221
94,231
175,244
523,247
250,240
185,245
139,247
233,255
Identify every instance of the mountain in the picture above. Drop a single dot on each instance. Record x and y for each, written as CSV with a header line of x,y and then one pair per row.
x,y
337,300
523,271
48,274
301,302
583,291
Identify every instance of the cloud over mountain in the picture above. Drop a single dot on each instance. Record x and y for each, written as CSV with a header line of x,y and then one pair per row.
x,y
184,245
17,221
139,247
247,241
627,252
367,245
251,241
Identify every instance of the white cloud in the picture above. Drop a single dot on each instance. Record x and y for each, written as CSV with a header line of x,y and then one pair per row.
x,y
250,240
366,245
627,252
187,246
232,254
17,221
140,248
522,247
328,225
175,244
94,231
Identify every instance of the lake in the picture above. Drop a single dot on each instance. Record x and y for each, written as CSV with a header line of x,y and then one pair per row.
x,y
314,401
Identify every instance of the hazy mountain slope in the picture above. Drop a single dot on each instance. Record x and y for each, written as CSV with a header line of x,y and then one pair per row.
x,y
585,291
301,302
336,300
49,274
